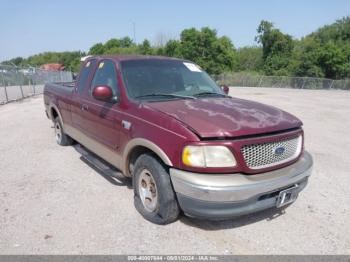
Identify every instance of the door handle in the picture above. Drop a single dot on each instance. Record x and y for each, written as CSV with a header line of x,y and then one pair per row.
x,y
84,107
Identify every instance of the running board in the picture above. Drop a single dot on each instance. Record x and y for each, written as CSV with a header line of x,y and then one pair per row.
x,y
99,163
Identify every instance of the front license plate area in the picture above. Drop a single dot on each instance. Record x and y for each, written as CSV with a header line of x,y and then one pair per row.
x,y
287,196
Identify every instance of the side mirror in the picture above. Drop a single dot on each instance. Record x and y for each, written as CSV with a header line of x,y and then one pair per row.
x,y
103,93
226,89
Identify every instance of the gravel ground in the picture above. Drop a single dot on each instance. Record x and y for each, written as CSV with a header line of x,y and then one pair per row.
x,y
52,202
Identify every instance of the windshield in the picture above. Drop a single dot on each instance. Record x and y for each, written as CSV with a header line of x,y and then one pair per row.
x,y
167,79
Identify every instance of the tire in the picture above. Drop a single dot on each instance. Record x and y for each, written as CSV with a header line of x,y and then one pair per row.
x,y
61,138
151,176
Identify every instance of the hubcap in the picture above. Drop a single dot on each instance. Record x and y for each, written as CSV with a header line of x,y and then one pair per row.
x,y
58,132
148,190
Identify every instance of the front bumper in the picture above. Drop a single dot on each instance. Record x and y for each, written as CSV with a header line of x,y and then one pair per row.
x,y
230,195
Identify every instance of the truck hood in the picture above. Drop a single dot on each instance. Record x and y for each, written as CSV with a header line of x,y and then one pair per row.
x,y
227,117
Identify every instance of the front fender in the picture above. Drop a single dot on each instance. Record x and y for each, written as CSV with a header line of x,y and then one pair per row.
x,y
135,142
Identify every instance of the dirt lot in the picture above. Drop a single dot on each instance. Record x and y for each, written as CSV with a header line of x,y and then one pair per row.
x,y
52,202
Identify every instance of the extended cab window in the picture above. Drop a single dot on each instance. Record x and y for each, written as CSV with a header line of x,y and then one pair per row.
x,y
106,76
84,75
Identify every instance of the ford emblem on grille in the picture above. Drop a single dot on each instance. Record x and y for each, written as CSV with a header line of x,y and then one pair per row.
x,y
279,150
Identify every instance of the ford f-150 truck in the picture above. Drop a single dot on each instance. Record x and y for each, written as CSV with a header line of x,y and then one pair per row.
x,y
187,144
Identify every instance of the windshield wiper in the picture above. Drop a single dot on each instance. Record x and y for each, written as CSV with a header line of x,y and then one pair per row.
x,y
166,95
210,93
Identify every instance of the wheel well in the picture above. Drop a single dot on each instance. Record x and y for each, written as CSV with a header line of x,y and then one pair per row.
x,y
54,113
135,153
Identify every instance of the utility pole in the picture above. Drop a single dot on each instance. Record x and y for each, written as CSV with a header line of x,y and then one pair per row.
x,y
134,30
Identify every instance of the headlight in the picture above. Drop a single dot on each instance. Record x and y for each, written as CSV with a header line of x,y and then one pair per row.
x,y
208,156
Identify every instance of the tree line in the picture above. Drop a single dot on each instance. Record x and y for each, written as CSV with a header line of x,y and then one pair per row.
x,y
323,53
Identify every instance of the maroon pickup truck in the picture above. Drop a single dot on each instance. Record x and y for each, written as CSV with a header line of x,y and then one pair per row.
x,y
187,145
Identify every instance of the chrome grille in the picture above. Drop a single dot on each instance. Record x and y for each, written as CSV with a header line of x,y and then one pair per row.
x,y
269,154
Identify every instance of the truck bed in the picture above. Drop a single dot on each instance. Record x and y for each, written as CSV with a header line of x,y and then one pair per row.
x,y
58,91
65,86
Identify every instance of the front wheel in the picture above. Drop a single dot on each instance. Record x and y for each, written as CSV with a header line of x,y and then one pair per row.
x,y
154,197
61,138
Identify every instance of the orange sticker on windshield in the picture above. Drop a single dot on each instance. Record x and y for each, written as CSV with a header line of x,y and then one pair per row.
x,y
101,65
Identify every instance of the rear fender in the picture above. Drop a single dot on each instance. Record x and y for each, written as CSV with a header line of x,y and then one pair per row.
x,y
54,107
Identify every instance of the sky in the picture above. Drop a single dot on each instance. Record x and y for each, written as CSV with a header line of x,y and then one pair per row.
x,y
34,26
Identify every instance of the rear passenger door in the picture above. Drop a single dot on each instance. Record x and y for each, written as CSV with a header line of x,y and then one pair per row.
x,y
83,84
102,120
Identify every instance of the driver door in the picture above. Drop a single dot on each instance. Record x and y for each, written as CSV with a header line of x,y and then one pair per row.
x,y
102,120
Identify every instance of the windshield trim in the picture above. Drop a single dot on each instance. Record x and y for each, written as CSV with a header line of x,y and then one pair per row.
x,y
209,94
165,95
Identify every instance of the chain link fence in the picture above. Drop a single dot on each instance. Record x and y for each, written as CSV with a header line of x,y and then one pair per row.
x,y
239,79
17,83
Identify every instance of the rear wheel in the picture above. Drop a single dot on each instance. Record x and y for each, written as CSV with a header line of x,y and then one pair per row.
x,y
154,197
61,138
